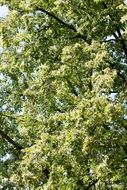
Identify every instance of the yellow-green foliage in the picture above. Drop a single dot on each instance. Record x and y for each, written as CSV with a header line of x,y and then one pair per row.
x,y
63,95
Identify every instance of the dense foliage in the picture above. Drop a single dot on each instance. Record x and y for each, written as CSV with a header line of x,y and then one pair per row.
x,y
63,95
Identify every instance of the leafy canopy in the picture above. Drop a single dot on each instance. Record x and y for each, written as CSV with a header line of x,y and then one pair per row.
x,y
63,95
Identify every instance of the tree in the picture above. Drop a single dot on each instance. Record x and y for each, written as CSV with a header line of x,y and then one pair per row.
x,y
63,95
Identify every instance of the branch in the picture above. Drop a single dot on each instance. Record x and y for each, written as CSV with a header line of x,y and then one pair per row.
x,y
110,92
110,40
121,40
120,37
8,139
71,27
5,115
115,36
123,77
9,116
73,90
124,46
113,66
90,82
56,18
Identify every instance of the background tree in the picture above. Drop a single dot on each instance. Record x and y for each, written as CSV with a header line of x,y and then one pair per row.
x,y
63,95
